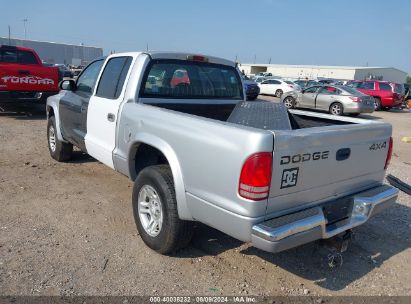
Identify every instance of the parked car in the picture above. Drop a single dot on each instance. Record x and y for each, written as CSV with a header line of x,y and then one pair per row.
x,y
327,81
275,87
23,76
264,74
385,96
76,70
180,77
193,158
258,79
306,83
337,100
64,71
251,88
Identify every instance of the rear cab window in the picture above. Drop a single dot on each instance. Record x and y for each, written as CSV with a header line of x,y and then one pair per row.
x,y
182,79
17,56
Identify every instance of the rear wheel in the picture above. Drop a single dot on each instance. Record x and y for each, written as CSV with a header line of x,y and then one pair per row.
x,y
155,211
289,102
377,104
59,150
278,93
336,109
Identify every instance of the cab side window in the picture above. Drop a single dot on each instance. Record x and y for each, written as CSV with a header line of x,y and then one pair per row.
x,y
25,57
87,79
113,77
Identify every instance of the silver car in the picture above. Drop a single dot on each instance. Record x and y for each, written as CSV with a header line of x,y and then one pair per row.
x,y
335,99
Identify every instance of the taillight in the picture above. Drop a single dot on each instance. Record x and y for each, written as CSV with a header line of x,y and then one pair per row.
x,y
255,178
389,154
355,99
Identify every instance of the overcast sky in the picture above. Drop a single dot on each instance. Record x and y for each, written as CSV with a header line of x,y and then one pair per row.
x,y
320,32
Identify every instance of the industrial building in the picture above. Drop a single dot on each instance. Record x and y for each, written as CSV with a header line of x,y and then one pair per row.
x,y
320,72
52,52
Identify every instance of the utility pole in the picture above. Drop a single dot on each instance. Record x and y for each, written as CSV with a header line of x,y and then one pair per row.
x,y
9,35
269,61
147,47
25,28
255,58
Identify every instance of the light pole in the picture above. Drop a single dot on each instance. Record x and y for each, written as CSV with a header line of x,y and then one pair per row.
x,y
25,28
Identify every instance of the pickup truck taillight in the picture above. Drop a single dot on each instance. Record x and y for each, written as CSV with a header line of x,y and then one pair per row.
x,y
255,178
389,154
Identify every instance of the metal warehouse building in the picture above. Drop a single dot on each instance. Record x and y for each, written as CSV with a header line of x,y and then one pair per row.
x,y
318,72
52,52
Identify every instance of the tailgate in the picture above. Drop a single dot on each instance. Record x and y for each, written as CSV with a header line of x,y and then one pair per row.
x,y
315,164
26,78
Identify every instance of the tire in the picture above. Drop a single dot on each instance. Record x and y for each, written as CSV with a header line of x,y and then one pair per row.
x,y
252,98
289,102
278,93
154,200
386,108
377,104
59,150
337,109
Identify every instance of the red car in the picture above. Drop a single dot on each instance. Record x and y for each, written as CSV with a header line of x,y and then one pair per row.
x,y
180,77
386,94
24,77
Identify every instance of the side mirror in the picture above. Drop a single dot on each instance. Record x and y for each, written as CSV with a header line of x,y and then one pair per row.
x,y
68,85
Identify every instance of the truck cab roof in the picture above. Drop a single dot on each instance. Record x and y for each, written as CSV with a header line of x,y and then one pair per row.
x,y
179,56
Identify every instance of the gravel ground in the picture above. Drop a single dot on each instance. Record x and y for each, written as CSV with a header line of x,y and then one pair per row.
x,y
67,229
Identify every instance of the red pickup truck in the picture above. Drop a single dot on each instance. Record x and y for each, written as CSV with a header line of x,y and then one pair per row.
x,y
23,76
386,94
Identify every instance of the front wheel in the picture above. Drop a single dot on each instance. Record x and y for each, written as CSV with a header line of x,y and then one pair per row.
x,y
278,93
155,211
336,109
289,102
59,150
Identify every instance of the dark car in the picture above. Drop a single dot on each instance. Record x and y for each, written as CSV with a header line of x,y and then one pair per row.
x,y
251,88
64,71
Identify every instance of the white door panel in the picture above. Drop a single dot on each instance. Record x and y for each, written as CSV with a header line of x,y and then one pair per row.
x,y
102,115
101,129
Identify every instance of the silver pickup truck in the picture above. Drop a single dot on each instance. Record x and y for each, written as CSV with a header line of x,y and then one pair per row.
x,y
178,125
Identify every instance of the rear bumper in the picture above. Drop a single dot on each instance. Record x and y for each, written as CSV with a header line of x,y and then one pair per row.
x,y
295,229
359,108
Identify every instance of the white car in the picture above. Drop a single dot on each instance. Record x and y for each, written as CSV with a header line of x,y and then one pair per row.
x,y
277,87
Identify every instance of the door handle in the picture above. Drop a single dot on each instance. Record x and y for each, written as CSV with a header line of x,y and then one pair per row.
x,y
111,117
83,109
24,72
